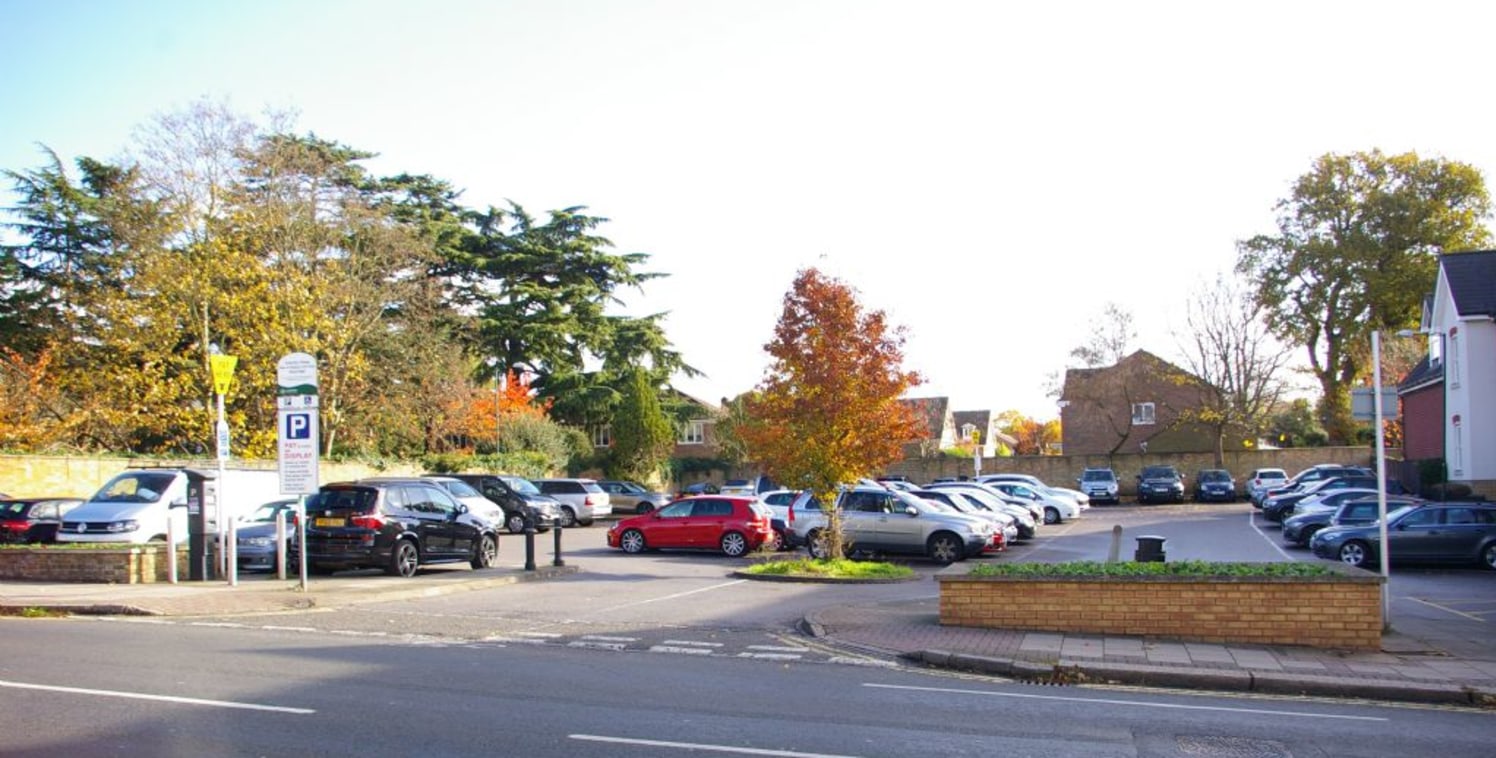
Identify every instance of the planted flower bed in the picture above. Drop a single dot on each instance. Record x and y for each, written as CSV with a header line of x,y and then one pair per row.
x,y
1323,605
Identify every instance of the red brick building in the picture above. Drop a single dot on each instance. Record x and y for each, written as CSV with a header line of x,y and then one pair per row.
x,y
1138,405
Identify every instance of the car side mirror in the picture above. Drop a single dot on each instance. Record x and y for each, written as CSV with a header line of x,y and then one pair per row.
x,y
911,510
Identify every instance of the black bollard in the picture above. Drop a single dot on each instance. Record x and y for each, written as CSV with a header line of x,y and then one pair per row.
x,y
1150,549
529,547
557,561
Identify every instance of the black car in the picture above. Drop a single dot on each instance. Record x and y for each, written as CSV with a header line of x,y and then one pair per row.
x,y
1160,484
1460,533
25,520
1308,476
1300,529
1281,506
522,501
1214,485
397,526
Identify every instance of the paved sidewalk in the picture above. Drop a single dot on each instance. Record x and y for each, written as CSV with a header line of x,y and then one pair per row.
x,y
1405,670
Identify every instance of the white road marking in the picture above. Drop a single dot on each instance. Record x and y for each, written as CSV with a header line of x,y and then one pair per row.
x,y
601,638
672,597
289,628
680,650
546,635
779,648
597,645
219,624
701,746
850,661
1252,519
1446,608
1139,703
690,642
158,698
771,656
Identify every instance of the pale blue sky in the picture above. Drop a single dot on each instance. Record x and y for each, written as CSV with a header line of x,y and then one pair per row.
x,y
988,173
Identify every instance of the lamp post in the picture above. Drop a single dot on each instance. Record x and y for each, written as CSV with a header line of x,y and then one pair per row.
x,y
1382,551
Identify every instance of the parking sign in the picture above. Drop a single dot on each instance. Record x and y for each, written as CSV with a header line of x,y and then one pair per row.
x,y
296,402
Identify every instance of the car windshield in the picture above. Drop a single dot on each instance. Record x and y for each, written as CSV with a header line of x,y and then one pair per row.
x,y
14,509
1158,472
1214,476
135,488
631,488
521,485
1097,476
460,488
358,499
265,512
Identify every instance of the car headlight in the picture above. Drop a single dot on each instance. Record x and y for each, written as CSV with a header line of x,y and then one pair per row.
x,y
119,527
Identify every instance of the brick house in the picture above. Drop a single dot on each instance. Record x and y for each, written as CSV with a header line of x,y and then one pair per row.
x,y
940,426
1449,398
1133,406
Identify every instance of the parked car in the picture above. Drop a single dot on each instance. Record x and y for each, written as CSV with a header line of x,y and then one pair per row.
x,y
1354,508
522,502
1284,504
1100,484
477,505
254,536
778,502
1004,525
1081,499
880,520
996,499
1160,484
33,519
1460,533
698,488
394,525
1263,479
734,525
582,500
1214,485
1056,509
751,487
1317,472
631,496
145,505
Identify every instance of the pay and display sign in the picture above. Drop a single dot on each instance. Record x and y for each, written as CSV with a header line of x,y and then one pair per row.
x,y
296,423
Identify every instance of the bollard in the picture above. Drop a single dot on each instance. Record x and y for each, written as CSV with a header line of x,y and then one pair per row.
x,y
529,547
1150,549
280,544
557,561
171,549
1116,552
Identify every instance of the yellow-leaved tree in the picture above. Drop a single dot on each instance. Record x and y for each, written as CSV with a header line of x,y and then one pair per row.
x,y
827,411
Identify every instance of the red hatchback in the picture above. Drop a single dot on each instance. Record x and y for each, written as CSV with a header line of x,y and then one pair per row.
x,y
734,525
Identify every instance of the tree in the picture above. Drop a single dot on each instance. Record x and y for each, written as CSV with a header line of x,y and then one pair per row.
x,y
1034,437
642,435
1112,339
1294,425
827,411
1234,359
1356,251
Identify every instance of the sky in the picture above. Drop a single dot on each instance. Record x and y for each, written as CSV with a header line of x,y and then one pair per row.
x,y
989,174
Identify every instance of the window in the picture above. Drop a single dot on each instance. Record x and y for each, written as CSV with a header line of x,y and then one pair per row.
x,y
1142,414
693,433
1454,359
602,436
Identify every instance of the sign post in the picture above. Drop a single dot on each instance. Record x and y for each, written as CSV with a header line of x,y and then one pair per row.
x,y
296,430
222,368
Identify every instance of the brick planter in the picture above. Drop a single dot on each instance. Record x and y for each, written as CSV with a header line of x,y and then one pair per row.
x,y
1343,611
132,564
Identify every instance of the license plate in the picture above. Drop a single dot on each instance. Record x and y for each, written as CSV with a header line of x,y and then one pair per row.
x,y
328,522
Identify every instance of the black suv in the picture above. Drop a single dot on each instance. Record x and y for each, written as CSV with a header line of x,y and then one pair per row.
x,y
522,502
396,526
1160,484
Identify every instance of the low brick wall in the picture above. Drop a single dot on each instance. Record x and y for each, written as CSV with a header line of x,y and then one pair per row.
x,y
1343,611
136,564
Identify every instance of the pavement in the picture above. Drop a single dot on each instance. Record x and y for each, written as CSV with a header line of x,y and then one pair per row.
x,y
1419,661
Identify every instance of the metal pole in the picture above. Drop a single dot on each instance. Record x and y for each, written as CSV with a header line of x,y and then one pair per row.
x,y
280,544
301,537
1383,550
228,535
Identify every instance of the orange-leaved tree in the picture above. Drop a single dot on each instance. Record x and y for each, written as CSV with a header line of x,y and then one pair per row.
x,y
482,408
827,411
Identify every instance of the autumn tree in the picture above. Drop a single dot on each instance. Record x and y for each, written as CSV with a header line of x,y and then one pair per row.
x,y
1356,251
1034,437
1234,359
1110,340
827,411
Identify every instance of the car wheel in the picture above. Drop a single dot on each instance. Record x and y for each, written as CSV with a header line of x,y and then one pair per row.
x,y
1051,515
816,545
1489,555
631,541
1354,553
734,544
515,523
945,548
487,552
568,517
404,559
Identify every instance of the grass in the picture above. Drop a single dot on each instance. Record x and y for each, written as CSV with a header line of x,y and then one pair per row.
x,y
832,569
1175,568
31,612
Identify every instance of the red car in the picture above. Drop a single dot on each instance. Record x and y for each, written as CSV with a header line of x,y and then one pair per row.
x,y
734,525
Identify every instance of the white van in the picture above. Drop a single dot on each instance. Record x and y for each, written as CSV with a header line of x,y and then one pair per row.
x,y
134,506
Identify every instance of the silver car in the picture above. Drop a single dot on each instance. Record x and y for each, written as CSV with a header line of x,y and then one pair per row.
x,y
879,520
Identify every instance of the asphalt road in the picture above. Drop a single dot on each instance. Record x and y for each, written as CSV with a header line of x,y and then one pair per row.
x,y
82,687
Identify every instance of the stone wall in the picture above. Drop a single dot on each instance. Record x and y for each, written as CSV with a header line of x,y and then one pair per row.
x,y
1342,612
135,564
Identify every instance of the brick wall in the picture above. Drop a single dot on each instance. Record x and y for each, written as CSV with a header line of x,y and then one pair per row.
x,y
141,564
1342,612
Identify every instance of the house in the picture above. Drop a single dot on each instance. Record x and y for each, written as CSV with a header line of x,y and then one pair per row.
x,y
940,426
983,424
1138,405
1449,398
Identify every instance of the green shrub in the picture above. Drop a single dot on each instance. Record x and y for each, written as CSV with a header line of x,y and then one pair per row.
x,y
1175,568
837,569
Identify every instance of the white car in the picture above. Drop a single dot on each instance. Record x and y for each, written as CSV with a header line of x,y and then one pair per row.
x,y
582,500
1056,509
1081,499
